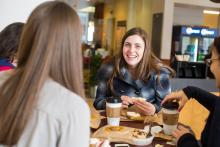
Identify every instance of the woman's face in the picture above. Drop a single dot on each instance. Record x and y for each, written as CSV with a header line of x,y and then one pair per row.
x,y
133,50
215,66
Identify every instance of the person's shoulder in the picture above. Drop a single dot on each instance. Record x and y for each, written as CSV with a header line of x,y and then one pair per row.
x,y
107,67
108,64
55,99
105,70
165,70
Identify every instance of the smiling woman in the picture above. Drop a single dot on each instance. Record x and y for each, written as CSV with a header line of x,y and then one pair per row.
x,y
133,50
135,72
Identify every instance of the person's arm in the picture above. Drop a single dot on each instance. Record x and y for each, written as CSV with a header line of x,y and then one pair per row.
x,y
212,103
213,132
103,91
101,95
187,140
203,97
162,88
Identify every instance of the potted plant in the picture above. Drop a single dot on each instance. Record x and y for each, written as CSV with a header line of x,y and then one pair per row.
x,y
96,61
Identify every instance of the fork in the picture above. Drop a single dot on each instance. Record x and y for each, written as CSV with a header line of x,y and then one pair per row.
x,y
149,133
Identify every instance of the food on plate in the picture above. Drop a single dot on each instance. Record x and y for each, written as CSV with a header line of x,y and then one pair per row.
x,y
164,136
134,107
114,128
158,145
138,98
140,134
123,134
157,118
134,116
150,118
95,119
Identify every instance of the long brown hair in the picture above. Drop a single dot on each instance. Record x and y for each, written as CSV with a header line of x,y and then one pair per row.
x,y
148,63
50,47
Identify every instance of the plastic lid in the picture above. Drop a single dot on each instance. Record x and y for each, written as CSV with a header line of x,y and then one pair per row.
x,y
113,100
172,105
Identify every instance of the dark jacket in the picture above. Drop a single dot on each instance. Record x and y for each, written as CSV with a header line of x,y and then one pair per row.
x,y
153,90
211,134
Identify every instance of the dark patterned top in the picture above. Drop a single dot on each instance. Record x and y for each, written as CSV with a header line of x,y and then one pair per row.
x,y
210,134
154,90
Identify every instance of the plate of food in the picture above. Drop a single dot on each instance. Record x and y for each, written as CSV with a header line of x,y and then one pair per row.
x,y
127,115
133,115
163,136
124,134
157,132
141,137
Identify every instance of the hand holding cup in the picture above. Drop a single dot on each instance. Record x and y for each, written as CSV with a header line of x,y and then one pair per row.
x,y
180,96
170,116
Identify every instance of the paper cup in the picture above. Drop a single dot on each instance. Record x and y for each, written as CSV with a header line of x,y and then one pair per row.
x,y
113,111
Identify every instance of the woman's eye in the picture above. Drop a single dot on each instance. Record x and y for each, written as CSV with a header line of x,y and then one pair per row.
x,y
138,46
127,44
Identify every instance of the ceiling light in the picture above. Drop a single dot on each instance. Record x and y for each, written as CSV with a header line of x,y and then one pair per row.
x,y
210,12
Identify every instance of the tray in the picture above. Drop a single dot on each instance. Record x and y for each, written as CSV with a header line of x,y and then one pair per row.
x,y
123,134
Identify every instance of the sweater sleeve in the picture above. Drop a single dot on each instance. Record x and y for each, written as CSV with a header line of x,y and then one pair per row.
x,y
187,140
103,91
203,97
163,87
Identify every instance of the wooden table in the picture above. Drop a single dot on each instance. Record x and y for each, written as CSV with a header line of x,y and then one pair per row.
x,y
133,124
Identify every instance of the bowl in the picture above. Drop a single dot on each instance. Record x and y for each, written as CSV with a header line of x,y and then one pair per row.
x,y
145,141
156,129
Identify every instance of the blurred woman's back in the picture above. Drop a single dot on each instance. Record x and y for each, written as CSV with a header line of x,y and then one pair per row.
x,y
41,102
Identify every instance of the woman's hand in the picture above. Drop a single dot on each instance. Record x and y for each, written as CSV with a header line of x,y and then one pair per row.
x,y
145,107
180,131
179,95
126,101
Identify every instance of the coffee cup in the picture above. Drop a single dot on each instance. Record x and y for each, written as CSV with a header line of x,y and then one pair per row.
x,y
170,115
113,110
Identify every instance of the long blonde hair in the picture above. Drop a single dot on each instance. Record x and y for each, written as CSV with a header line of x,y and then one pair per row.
x,y
50,47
